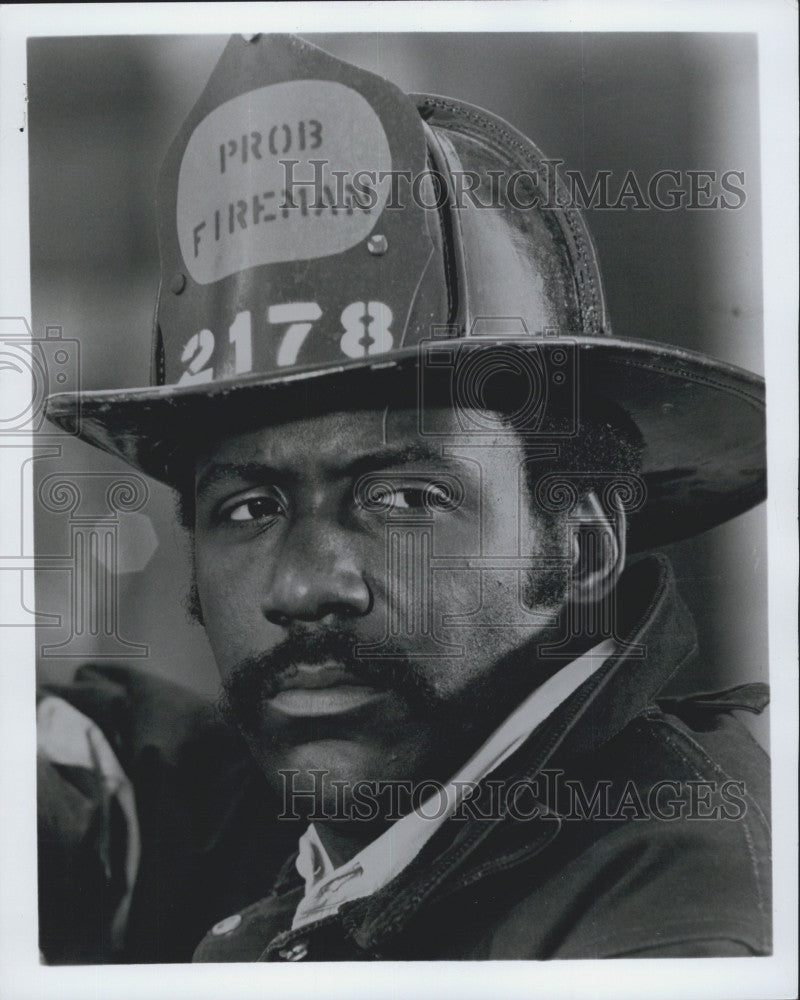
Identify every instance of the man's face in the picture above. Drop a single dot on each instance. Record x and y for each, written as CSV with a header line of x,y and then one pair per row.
x,y
366,596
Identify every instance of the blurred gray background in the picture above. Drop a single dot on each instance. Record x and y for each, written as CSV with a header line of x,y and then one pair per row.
x,y
102,112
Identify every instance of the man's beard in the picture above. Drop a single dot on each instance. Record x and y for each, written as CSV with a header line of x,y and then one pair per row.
x,y
455,718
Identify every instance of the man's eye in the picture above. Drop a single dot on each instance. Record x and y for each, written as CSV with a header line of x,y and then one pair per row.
x,y
429,497
256,508
416,498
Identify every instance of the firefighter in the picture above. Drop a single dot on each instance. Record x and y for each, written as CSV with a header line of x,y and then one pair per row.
x,y
413,461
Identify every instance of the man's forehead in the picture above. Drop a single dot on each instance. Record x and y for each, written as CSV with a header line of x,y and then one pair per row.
x,y
340,439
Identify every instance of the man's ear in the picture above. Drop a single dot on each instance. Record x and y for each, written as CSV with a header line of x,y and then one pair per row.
x,y
598,549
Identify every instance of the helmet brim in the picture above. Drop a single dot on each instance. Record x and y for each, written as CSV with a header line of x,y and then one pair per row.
x,y
702,423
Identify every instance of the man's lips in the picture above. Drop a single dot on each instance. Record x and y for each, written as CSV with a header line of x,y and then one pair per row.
x,y
321,689
314,676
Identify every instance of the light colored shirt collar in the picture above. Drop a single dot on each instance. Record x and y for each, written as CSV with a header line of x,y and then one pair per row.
x,y
327,888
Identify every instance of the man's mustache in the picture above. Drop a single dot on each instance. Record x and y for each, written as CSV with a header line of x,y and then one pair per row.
x,y
256,679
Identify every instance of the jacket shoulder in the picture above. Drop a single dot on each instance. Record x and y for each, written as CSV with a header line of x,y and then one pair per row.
x,y
664,848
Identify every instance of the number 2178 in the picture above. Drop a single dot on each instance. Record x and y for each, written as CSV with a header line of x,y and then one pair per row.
x,y
366,330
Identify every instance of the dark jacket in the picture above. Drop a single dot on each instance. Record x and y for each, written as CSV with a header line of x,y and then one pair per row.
x,y
648,832
622,881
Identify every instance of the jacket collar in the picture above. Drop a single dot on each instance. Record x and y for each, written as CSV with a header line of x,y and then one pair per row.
x,y
656,636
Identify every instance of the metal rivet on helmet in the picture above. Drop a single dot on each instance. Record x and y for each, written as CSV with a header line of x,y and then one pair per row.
x,y
377,245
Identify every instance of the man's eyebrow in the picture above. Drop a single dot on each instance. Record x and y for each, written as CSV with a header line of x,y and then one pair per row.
x,y
386,458
261,472
255,472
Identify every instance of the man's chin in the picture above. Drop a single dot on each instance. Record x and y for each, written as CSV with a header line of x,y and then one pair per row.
x,y
338,780
332,760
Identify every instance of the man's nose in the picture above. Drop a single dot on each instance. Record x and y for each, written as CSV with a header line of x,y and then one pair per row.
x,y
315,573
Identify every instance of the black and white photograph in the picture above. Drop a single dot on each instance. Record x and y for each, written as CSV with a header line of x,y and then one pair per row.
x,y
400,522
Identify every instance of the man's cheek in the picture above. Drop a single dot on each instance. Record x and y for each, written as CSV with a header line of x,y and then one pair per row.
x,y
456,595
476,598
229,619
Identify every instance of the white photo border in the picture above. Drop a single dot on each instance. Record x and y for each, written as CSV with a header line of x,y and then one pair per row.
x,y
774,22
